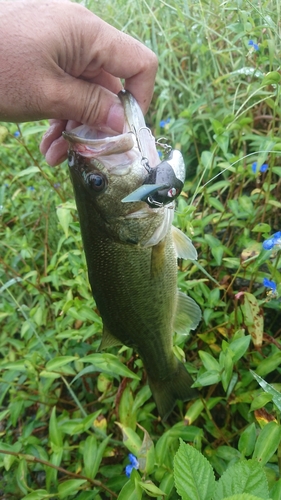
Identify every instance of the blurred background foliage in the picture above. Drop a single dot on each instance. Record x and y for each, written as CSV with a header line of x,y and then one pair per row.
x,y
217,98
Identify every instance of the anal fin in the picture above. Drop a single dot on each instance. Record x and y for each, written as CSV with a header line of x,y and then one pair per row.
x,y
108,340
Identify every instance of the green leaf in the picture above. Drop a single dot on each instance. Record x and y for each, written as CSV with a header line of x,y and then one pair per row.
x,y
58,362
217,204
26,171
70,487
21,476
194,411
65,218
261,228
247,440
93,454
55,432
207,159
209,362
267,442
260,401
245,496
275,492
271,78
194,476
151,489
50,375
10,283
222,141
269,389
131,439
142,396
127,416
77,426
106,363
226,364
246,476
51,473
217,126
167,483
269,364
131,490
36,495
239,347
89,456
207,378
34,129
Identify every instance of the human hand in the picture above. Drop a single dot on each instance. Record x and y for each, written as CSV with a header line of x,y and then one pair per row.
x,y
60,61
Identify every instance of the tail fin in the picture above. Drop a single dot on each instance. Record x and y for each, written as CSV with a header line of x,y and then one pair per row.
x,y
166,392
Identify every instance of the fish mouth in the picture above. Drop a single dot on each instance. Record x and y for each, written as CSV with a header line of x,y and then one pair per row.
x,y
97,142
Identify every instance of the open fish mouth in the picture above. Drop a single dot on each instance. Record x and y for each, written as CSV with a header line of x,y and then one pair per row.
x,y
164,180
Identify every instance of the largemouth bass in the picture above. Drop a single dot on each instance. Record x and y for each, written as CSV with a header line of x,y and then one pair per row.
x,y
125,206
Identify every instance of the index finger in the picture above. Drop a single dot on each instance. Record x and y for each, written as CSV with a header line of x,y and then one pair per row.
x,y
124,57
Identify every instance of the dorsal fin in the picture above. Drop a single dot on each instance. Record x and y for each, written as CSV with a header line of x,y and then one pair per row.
x,y
183,245
188,314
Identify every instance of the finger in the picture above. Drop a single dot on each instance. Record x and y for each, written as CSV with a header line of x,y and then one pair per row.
x,y
53,146
57,152
119,55
54,132
103,79
89,103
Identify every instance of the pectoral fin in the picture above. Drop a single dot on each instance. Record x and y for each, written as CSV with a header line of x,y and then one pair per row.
x,y
188,314
183,245
108,340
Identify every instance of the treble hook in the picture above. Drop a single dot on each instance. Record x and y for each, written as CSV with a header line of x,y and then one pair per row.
x,y
144,158
166,147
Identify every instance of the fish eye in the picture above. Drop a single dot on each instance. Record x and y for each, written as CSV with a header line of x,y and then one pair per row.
x,y
97,182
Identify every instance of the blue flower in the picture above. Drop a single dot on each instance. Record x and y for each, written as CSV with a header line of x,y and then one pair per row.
x,y
263,168
57,185
253,44
274,240
164,122
16,133
31,188
134,464
270,284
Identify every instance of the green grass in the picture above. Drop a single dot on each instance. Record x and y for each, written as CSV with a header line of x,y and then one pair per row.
x,y
58,420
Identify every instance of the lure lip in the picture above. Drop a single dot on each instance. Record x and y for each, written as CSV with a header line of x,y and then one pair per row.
x,y
143,192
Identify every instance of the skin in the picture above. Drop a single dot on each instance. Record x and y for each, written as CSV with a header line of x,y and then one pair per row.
x,y
60,61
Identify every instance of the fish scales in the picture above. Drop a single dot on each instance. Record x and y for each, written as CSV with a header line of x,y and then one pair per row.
x,y
131,254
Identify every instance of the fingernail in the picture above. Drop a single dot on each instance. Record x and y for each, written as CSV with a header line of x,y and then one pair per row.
x,y
115,118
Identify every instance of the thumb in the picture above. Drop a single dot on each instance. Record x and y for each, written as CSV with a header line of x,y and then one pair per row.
x,y
86,102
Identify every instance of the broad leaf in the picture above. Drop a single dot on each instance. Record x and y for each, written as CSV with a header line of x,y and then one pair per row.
x,y
242,477
194,476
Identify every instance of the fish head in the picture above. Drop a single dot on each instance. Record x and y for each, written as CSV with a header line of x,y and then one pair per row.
x,y
106,169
